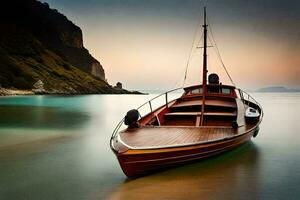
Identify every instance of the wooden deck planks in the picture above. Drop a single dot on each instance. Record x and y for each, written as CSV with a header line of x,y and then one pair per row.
x,y
167,136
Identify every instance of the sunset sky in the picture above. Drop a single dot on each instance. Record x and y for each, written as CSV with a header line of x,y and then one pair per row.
x,y
145,44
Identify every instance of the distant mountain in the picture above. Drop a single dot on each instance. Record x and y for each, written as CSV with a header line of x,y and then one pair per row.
x,y
277,89
38,43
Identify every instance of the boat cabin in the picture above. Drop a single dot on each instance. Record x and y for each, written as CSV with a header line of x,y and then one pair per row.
x,y
211,90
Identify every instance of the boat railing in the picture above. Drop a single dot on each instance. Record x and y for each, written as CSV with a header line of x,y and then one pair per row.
x,y
166,100
150,104
245,97
248,99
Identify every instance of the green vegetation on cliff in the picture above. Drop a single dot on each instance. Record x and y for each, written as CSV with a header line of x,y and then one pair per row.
x,y
38,43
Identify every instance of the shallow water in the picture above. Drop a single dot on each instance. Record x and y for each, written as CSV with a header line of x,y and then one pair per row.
x,y
54,147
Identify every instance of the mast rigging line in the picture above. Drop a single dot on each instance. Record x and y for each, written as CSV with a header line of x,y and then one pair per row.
x,y
191,53
218,53
192,50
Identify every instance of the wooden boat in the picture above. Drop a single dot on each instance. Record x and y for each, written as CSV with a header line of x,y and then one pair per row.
x,y
206,120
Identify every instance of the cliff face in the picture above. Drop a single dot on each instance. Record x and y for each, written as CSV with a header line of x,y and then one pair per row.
x,y
97,70
38,43
60,35
81,58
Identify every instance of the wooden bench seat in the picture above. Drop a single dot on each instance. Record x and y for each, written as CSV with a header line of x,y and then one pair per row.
x,y
208,102
183,114
229,114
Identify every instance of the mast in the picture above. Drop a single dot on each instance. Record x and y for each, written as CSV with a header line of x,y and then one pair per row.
x,y
204,52
204,78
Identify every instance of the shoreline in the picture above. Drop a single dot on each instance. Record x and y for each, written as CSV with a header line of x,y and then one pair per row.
x,y
14,92
17,92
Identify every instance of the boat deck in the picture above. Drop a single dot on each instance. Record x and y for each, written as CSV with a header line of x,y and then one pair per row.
x,y
159,136
182,128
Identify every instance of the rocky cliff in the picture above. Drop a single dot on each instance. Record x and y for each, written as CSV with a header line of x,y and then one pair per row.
x,y
39,43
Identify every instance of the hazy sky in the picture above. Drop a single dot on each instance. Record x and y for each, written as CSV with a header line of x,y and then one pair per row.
x,y
145,43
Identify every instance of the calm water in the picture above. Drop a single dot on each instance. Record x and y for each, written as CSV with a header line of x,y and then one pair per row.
x,y
55,147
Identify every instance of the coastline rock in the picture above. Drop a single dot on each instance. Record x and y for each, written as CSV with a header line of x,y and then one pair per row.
x,y
118,86
38,87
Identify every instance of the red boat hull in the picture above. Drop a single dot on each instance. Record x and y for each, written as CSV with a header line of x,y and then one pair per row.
x,y
137,162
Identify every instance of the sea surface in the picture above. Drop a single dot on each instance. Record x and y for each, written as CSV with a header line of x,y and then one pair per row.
x,y
57,148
